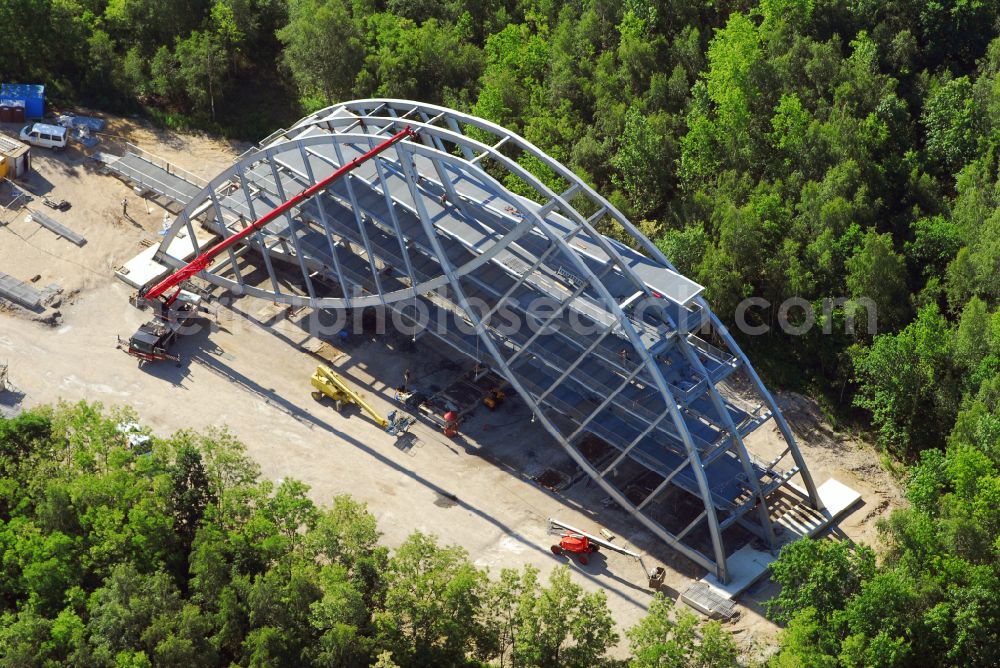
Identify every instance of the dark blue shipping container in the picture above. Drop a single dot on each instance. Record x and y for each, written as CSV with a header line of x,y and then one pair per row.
x,y
33,96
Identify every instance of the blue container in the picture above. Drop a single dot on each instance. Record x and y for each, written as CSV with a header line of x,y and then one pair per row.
x,y
33,96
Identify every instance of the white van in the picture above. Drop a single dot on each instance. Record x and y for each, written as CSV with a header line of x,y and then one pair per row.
x,y
46,136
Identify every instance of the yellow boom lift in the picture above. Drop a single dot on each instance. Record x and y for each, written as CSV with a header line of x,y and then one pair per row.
x,y
329,384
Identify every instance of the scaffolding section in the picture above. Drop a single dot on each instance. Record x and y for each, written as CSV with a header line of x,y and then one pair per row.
x,y
615,352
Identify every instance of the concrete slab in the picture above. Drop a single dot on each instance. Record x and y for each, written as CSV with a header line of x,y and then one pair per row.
x,y
145,268
181,247
837,497
748,565
142,269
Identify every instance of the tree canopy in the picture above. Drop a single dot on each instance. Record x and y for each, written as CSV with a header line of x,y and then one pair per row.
x,y
846,154
120,548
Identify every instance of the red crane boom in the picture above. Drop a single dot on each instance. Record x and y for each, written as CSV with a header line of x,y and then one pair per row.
x,y
203,261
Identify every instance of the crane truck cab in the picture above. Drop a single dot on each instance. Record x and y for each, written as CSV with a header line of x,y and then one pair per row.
x,y
152,341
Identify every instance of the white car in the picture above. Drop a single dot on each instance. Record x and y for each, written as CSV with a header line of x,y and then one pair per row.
x,y
46,136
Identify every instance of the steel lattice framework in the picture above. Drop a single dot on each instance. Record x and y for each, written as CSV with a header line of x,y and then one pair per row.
x,y
436,223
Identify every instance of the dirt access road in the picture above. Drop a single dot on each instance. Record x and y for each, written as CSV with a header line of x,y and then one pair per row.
x,y
476,491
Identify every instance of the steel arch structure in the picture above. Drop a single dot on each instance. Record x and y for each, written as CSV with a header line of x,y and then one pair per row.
x,y
599,338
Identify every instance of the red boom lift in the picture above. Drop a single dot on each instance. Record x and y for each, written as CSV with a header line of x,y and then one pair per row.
x,y
152,341
572,541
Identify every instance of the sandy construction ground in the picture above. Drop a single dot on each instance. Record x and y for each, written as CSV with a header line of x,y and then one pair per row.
x,y
475,491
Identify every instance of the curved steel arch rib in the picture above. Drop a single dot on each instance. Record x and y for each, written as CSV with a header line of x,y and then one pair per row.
x,y
599,339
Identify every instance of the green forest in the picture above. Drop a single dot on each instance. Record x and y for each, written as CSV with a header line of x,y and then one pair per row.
x,y
123,550
817,149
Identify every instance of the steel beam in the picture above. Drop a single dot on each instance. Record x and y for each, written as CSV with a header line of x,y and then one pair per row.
x,y
636,441
607,401
360,221
736,442
292,227
441,129
226,233
259,234
579,360
511,378
779,419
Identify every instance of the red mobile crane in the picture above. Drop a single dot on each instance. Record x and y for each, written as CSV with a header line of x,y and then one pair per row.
x,y
152,341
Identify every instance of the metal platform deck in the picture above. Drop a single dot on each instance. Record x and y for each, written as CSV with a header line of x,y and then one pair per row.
x,y
19,292
145,174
